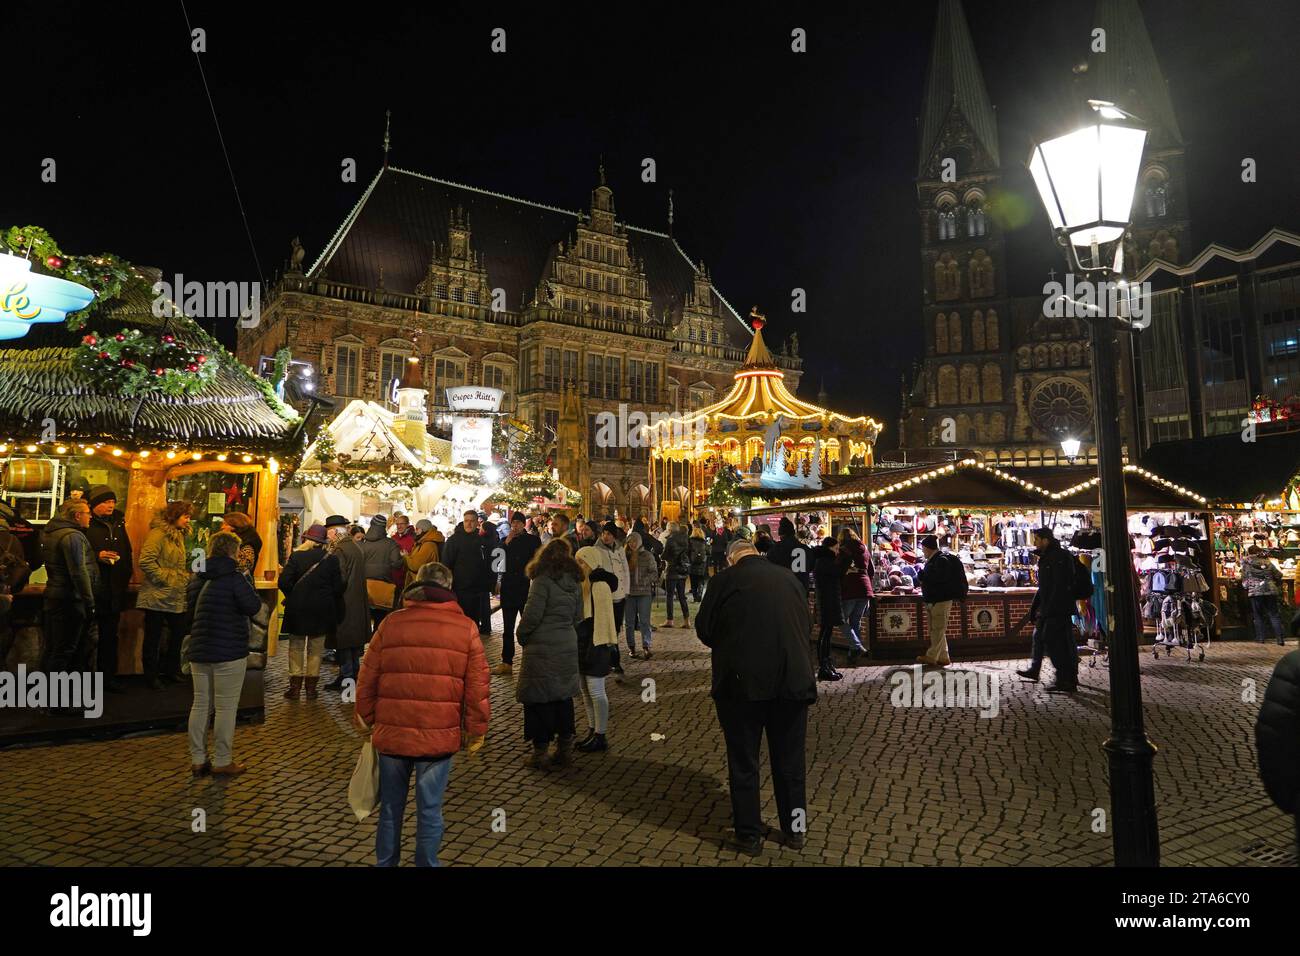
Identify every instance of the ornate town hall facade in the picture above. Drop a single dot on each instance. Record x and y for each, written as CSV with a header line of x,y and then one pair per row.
x,y
569,313
999,377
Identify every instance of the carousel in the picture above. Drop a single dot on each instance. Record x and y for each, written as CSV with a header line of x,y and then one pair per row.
x,y
768,438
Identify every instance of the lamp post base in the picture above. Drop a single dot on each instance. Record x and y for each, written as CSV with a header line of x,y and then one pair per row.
x,y
1136,839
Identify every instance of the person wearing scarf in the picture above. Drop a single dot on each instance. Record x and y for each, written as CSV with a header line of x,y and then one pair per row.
x,y
597,637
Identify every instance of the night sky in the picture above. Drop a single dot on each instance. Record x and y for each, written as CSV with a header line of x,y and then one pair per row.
x,y
787,170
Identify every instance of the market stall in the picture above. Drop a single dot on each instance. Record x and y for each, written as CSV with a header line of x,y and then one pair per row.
x,y
155,409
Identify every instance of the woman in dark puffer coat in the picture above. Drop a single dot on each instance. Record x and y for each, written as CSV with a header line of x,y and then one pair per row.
x,y
1277,737
548,679
313,605
221,601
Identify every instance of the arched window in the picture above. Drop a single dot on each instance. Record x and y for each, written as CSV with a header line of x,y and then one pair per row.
x,y
1023,357
975,222
977,331
954,332
992,382
991,335
947,280
970,384
947,394
997,426
1074,354
1040,356
947,223
1156,196
1058,355
941,333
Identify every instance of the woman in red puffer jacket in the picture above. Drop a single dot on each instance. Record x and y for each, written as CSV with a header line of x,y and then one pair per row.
x,y
422,694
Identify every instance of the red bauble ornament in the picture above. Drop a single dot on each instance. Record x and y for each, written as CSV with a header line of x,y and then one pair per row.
x,y
201,359
158,371
169,339
54,262
120,337
191,367
103,355
128,363
90,340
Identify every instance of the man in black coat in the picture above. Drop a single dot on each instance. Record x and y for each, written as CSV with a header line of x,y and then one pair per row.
x,y
1277,737
790,553
72,572
1051,612
468,556
520,546
112,550
754,616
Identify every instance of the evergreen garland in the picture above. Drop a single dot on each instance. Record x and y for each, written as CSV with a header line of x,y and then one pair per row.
x,y
131,364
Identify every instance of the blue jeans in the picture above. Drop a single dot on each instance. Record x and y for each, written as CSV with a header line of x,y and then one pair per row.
x,y
638,614
349,662
394,783
1268,619
853,611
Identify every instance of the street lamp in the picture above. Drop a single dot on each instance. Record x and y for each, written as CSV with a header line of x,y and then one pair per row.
x,y
1086,180
1070,446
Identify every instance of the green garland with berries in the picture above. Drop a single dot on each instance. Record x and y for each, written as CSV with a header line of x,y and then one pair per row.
x,y
131,364
104,274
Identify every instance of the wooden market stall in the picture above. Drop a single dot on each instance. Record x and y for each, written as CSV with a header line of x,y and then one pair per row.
x,y
66,425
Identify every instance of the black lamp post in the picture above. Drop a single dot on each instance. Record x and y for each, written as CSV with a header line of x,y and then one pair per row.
x,y
1087,179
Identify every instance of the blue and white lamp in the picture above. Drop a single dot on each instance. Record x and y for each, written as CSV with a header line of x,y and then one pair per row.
x,y
27,297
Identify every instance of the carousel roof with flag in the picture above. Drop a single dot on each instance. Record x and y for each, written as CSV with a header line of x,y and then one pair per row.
x,y
760,396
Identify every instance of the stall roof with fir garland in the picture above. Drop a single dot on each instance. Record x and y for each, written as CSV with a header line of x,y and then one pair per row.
x,y
42,376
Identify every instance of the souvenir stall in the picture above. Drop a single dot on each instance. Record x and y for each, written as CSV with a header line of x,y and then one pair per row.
x,y
759,433
962,497
155,409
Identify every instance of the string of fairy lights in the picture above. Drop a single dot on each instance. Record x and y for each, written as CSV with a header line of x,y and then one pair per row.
x,y
175,454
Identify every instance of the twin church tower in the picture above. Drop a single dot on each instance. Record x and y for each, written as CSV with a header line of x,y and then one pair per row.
x,y
998,377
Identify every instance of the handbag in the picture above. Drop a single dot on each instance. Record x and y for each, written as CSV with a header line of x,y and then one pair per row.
x,y
363,791
383,594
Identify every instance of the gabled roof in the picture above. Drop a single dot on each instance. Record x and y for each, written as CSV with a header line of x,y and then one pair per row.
x,y
1128,74
1215,250
954,84
39,380
394,226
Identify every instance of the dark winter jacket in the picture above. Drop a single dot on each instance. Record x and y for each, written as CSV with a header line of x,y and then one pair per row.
x,y
71,566
784,553
642,579
1277,737
1260,576
380,553
313,602
856,570
467,554
14,567
514,582
221,601
699,554
650,542
109,534
826,574
942,578
353,629
755,618
548,633
677,555
718,545
1055,597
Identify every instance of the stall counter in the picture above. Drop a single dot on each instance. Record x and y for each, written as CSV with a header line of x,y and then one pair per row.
x,y
992,619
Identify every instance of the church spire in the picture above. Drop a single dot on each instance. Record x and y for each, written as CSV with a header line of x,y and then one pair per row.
x,y
388,116
954,89
1128,74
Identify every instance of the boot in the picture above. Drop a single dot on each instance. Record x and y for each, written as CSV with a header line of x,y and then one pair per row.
x,y
563,751
539,758
595,744
312,693
295,689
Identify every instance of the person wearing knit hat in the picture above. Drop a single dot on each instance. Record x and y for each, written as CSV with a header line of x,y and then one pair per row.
x,y
111,547
383,561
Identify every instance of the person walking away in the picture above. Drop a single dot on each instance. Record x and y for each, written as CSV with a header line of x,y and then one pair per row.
x,y
165,572
754,617
72,573
1263,583
698,546
112,549
643,573
1051,613
718,549
763,540
521,547
677,559
250,542
548,678
1277,737
383,560
791,554
609,541
221,601
856,572
423,695
470,566
428,541
943,580
352,630
309,614
826,573
597,638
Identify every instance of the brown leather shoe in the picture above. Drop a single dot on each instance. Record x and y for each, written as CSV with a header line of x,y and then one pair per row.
x,y
504,669
312,693
229,770
295,689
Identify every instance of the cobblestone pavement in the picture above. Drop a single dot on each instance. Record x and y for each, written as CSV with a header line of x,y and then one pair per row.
x,y
887,785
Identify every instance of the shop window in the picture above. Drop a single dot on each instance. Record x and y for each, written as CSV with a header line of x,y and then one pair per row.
x,y
392,365
214,494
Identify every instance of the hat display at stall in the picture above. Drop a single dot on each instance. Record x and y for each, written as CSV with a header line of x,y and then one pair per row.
x,y
100,494
337,521
316,533
899,527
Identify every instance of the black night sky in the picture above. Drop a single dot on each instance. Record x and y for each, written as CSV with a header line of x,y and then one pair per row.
x,y
787,170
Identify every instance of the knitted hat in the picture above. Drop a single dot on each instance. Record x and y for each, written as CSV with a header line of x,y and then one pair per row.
x,y
785,527
315,533
611,528
424,525
518,516
100,494
930,541
380,522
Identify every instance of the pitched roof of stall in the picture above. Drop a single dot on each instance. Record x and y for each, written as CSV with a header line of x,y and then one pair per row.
x,y
402,214
39,380
954,82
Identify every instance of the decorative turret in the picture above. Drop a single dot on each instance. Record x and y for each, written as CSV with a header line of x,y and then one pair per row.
x,y
602,205
412,420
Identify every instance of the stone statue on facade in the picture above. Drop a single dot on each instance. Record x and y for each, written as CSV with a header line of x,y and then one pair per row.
x,y
296,255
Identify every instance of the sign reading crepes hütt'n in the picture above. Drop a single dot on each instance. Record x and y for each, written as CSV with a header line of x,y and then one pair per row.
x,y
474,398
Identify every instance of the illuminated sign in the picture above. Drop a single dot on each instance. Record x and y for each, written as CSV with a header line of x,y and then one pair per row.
x,y
471,439
27,297
474,398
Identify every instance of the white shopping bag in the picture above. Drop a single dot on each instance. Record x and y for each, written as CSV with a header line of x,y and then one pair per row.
x,y
363,791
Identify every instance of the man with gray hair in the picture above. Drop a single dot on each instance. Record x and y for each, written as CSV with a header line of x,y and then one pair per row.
x,y
755,618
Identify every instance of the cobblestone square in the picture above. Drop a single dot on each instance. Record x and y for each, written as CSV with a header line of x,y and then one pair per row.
x,y
887,786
